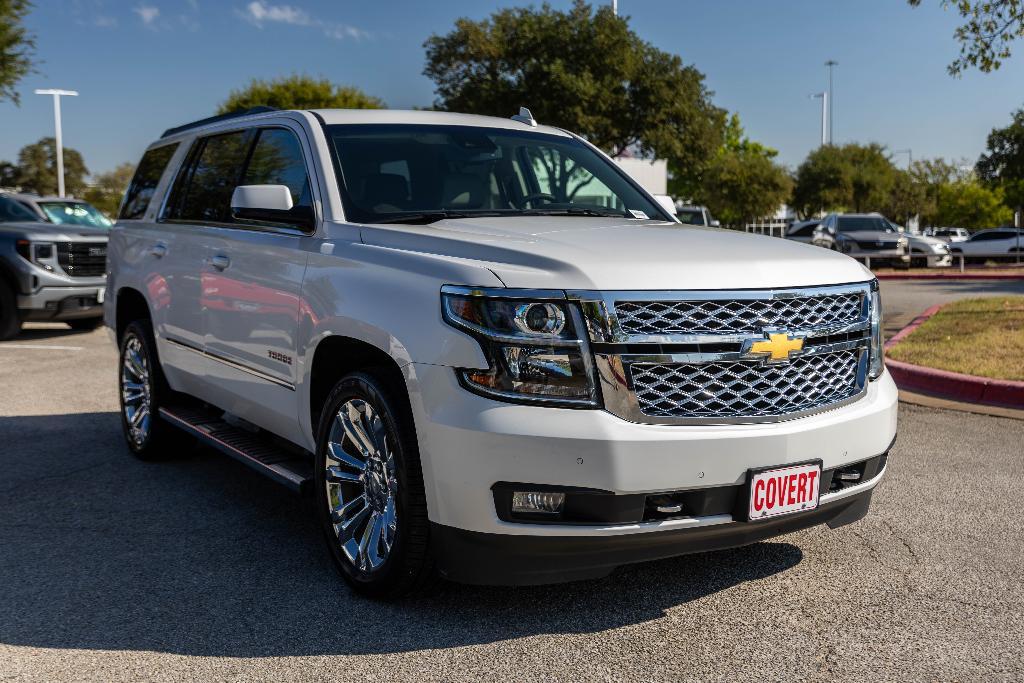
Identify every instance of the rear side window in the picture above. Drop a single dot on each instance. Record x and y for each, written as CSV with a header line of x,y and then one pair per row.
x,y
143,185
204,194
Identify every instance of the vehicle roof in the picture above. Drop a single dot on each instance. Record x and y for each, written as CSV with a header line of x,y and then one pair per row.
x,y
30,197
364,116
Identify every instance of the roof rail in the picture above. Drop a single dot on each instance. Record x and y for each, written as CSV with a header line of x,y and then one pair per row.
x,y
215,119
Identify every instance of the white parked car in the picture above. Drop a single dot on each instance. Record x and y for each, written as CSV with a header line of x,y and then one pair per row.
x,y
931,252
949,234
991,243
695,215
484,350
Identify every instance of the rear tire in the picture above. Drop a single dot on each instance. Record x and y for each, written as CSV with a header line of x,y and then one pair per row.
x,y
369,494
84,324
10,319
142,390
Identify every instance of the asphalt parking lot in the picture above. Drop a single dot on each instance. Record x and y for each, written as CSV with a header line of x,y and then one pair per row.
x,y
198,569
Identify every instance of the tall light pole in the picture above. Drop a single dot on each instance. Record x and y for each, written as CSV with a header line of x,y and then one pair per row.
x,y
823,96
831,96
58,142
910,155
615,7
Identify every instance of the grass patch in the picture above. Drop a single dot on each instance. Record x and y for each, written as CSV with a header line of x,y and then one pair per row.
x,y
983,337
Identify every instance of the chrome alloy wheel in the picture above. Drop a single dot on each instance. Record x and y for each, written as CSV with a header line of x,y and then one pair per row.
x,y
136,390
361,485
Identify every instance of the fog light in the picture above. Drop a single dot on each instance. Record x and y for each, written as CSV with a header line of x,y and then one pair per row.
x,y
533,502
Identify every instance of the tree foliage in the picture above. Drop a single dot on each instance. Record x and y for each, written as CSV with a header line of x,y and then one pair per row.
x,y
17,47
107,188
852,177
743,185
37,169
298,91
989,27
968,204
584,70
1002,164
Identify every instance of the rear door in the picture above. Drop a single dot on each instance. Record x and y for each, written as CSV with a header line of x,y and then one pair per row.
x,y
252,287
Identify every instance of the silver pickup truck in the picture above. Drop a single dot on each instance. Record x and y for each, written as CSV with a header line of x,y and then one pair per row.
x,y
49,272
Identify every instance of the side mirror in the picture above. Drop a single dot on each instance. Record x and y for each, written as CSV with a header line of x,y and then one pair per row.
x,y
666,203
715,223
269,204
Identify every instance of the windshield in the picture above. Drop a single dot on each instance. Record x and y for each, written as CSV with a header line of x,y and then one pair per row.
x,y
11,211
75,213
864,223
420,173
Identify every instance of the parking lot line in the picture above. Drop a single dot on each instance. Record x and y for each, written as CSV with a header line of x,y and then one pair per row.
x,y
41,347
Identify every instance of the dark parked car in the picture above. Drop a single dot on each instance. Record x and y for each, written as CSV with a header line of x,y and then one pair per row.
x,y
863,234
802,231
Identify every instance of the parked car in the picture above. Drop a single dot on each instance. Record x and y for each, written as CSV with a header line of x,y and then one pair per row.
x,y
991,244
695,215
48,273
475,373
802,231
863,234
926,251
63,210
949,234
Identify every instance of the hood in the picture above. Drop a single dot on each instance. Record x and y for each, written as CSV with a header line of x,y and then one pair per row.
x,y
52,232
620,254
924,239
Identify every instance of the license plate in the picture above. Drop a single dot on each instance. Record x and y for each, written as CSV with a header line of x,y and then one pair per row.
x,y
100,295
784,490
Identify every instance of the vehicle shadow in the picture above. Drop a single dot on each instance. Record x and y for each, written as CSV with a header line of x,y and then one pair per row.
x,y
200,556
35,332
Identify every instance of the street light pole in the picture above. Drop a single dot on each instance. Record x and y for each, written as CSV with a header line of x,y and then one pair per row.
x,y
823,96
910,155
58,142
831,96
615,7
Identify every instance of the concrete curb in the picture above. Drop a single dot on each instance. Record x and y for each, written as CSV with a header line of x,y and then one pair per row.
x,y
951,385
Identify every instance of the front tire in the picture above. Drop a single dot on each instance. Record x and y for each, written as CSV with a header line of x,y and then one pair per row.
x,y
10,320
370,500
142,390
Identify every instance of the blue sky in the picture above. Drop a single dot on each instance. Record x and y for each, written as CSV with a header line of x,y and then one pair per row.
x,y
144,65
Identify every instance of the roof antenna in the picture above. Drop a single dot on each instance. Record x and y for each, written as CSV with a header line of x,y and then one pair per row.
x,y
524,116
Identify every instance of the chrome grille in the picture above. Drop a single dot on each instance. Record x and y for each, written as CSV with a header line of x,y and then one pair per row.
x,y
82,259
739,316
745,389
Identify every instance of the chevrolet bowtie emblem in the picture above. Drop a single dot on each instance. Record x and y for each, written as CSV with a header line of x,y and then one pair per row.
x,y
780,346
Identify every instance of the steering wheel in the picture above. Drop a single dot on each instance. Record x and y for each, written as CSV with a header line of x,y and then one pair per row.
x,y
530,198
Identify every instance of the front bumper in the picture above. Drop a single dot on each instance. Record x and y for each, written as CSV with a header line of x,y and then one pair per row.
x,y
63,303
469,443
497,559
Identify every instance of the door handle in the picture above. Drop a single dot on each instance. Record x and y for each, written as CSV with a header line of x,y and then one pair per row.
x,y
158,250
220,262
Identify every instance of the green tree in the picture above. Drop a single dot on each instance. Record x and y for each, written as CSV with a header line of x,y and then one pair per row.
x,y
907,198
985,36
37,169
17,47
8,174
298,91
1002,164
107,189
848,178
969,204
583,70
742,185
931,176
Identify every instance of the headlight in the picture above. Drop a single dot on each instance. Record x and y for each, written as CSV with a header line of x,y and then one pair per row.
x,y
36,252
877,363
536,346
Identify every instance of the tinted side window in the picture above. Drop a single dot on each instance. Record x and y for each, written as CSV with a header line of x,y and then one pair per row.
x,y
277,160
205,194
147,175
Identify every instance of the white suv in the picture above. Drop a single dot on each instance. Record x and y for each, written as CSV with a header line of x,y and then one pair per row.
x,y
484,350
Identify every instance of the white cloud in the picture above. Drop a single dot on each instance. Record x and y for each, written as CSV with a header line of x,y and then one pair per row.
x,y
103,21
148,13
259,13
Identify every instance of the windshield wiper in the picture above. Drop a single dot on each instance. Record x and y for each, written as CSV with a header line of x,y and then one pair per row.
x,y
427,217
574,211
